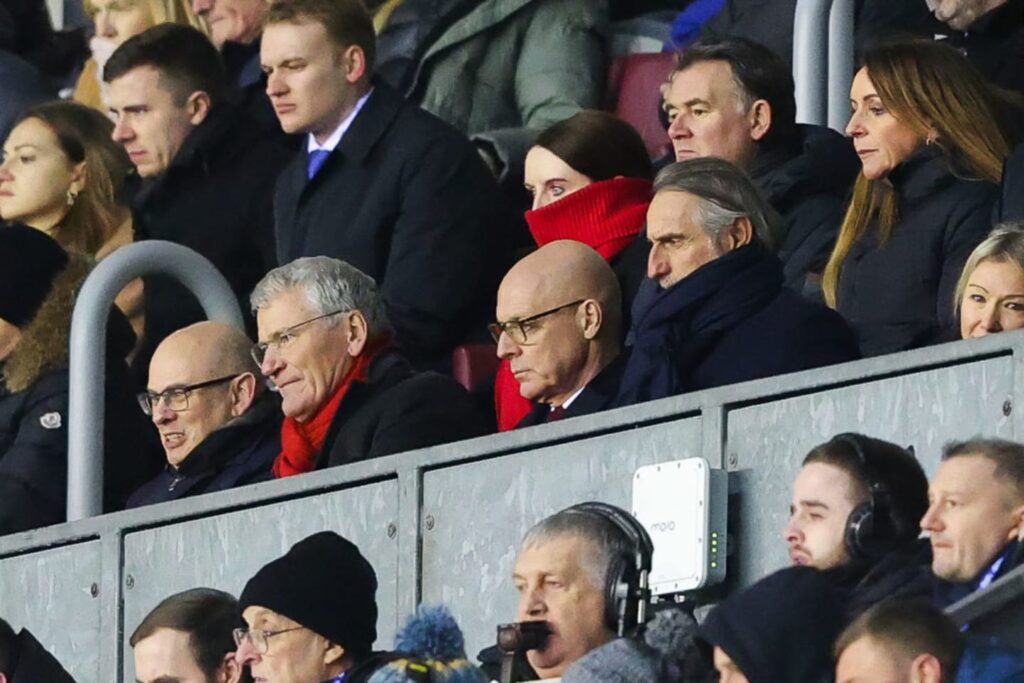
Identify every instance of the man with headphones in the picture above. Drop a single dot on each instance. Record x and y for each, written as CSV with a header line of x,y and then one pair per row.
x,y
583,571
854,513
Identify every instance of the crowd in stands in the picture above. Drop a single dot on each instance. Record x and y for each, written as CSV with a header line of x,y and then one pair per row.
x,y
356,172
861,602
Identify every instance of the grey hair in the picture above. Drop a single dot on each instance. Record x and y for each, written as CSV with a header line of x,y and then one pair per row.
x,y
725,193
1005,244
329,285
606,541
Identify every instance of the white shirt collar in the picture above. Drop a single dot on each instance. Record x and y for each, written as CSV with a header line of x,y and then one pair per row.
x,y
335,139
567,402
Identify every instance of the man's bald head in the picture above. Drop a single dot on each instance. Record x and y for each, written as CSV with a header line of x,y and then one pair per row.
x,y
214,355
567,270
558,353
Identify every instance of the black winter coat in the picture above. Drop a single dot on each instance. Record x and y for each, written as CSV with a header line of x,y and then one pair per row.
x,y
730,321
807,182
899,295
397,410
903,573
34,448
598,395
240,452
35,664
214,198
406,199
1011,197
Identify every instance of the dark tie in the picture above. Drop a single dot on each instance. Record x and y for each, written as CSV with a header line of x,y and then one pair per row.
x,y
316,159
556,414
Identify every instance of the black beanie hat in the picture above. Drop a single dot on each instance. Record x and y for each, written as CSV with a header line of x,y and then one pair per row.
x,y
325,584
780,629
30,260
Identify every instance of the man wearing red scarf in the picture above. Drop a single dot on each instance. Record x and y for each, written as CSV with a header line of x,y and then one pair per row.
x,y
347,392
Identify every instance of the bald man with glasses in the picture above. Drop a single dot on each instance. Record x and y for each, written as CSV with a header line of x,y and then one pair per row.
x,y
559,328
347,391
218,425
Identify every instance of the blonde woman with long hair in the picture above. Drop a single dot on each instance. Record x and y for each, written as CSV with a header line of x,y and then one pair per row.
x,y
116,21
931,135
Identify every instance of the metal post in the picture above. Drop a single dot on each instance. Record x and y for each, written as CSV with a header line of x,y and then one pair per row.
x,y
840,62
810,60
89,342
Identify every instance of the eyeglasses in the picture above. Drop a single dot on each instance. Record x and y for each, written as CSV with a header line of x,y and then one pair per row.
x,y
258,638
279,340
176,398
517,329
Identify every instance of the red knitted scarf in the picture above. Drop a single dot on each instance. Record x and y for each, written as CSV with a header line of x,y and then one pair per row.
x,y
301,441
605,215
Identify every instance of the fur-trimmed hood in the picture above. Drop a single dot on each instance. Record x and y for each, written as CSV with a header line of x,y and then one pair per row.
x,y
45,340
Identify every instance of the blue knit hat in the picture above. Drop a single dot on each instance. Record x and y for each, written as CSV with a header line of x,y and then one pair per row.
x,y
432,649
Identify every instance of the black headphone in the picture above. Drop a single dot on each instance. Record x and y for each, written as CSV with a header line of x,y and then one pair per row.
x,y
627,592
871,528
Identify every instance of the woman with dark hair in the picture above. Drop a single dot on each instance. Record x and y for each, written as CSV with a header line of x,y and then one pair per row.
x,y
990,292
590,177
62,174
931,135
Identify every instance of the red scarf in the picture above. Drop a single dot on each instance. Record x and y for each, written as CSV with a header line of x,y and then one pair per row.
x,y
605,216
301,442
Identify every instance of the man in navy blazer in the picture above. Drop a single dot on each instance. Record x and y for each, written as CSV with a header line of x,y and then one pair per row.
x,y
381,184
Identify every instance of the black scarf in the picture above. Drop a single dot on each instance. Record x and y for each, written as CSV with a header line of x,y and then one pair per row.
x,y
675,329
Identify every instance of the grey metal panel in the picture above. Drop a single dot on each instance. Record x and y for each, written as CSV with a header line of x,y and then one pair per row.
x,y
226,550
480,511
50,593
768,441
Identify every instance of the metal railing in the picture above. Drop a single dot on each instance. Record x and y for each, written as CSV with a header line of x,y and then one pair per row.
x,y
823,61
87,369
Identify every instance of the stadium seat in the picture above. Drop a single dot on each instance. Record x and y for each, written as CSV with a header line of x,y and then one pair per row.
x,y
474,363
633,95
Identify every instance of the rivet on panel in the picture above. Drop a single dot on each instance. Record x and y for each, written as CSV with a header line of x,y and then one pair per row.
x,y
392,530
1007,407
94,590
130,582
429,521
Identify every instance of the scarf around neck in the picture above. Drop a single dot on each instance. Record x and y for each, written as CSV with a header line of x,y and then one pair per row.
x,y
301,442
605,216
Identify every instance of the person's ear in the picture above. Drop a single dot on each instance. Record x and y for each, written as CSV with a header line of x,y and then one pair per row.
x,y
78,178
739,234
1017,531
230,671
334,653
590,317
198,106
358,333
3,678
243,393
760,119
926,668
354,60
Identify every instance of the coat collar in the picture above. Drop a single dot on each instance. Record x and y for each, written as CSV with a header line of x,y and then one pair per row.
x,y
483,17
216,449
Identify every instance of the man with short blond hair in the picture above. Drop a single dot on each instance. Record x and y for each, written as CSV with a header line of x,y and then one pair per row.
x,y
379,183
976,517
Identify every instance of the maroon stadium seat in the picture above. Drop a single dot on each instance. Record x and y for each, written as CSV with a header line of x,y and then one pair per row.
x,y
474,363
633,95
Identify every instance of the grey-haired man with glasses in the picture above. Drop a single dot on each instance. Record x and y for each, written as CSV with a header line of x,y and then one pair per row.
x,y
218,425
347,391
559,320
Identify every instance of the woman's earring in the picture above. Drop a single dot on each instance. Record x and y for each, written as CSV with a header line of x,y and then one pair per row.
x,y
930,140
72,196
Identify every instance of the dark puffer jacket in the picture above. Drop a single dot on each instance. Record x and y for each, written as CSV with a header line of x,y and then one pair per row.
x,y
34,415
899,295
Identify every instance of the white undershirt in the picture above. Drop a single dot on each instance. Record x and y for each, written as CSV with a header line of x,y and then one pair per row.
x,y
335,139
